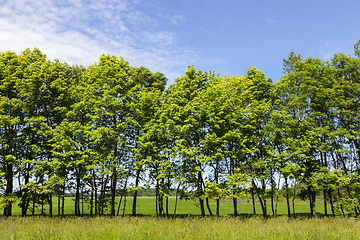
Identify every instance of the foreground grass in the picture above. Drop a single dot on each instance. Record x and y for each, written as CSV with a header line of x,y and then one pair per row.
x,y
178,228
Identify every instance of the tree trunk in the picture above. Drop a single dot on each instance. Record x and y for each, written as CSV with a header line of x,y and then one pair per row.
x,y
331,203
114,177
136,192
277,196
161,208
113,191
341,206
200,193
235,207
124,206
123,192
33,208
167,206
9,188
176,198
293,200
77,194
96,200
312,198
59,206
253,199
325,204
208,206
50,205
287,196
63,202
272,205
25,198
91,199
118,211
265,206
262,203
82,205
42,204
157,197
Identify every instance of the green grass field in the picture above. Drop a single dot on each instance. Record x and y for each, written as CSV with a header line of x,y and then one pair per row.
x,y
178,228
187,225
146,207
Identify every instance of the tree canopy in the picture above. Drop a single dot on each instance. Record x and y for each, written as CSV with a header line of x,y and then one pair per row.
x,y
110,129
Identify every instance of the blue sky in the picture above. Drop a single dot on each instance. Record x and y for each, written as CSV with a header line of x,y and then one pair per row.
x,y
227,36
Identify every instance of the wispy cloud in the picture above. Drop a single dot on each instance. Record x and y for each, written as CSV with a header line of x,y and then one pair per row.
x,y
270,21
177,19
174,19
329,49
78,32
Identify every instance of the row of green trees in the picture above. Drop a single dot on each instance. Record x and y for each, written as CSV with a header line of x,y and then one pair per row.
x,y
104,131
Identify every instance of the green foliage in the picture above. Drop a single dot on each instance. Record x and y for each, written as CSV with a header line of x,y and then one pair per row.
x,y
110,129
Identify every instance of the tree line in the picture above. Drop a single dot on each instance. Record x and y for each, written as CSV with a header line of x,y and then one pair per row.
x,y
105,131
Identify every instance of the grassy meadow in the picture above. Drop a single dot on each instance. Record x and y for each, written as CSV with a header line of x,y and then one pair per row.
x,y
187,225
146,207
178,228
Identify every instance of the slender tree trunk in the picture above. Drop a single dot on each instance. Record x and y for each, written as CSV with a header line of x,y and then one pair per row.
x,y
63,202
312,199
118,211
82,205
287,196
102,196
217,182
59,206
272,205
50,205
253,200
325,203
91,199
9,188
200,193
136,192
96,200
272,193
235,207
341,206
265,206
157,197
77,194
33,208
124,191
124,206
25,198
208,206
176,198
167,206
114,173
262,203
331,203
161,208
113,191
293,200
277,196
42,204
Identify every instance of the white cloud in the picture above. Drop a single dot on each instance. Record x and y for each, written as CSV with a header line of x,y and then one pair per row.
x,y
174,19
270,21
177,19
329,49
78,32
